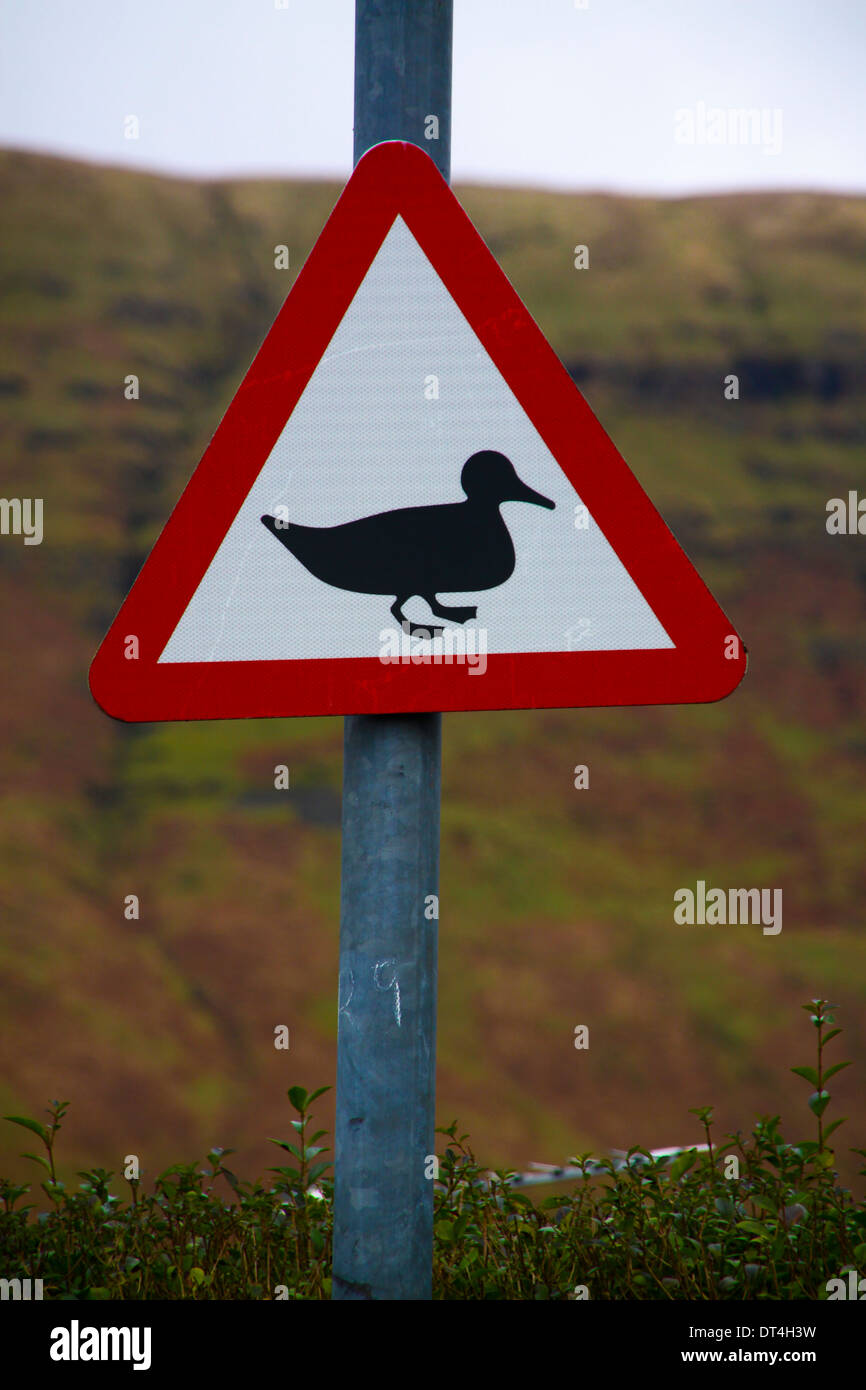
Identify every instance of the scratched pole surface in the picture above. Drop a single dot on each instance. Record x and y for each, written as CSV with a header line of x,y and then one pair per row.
x,y
386,1045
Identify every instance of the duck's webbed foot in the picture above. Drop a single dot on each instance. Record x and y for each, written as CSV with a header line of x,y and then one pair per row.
x,y
456,615
414,629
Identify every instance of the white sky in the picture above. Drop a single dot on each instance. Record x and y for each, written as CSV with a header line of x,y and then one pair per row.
x,y
545,93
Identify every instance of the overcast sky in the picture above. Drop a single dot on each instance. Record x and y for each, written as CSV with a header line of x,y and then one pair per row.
x,y
622,95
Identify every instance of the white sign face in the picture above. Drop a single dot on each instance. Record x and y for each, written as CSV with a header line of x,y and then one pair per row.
x,y
403,397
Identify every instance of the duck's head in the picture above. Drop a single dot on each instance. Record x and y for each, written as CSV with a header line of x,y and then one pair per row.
x,y
491,477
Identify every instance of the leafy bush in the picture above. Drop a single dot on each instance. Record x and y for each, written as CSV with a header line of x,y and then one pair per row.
x,y
751,1217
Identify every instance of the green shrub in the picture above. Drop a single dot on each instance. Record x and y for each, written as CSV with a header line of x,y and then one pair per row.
x,y
751,1217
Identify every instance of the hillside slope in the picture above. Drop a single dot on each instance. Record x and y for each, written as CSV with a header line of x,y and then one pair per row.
x,y
557,905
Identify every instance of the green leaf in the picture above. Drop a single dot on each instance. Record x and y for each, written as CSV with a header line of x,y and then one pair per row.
x,y
298,1097
313,1149
808,1073
37,1158
833,1070
26,1123
520,1199
754,1228
835,1125
832,1034
197,1276
703,1112
315,1096
682,1164
289,1148
762,1204
818,1102
316,1171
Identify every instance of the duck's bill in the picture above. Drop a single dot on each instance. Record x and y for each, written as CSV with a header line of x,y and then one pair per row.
x,y
528,494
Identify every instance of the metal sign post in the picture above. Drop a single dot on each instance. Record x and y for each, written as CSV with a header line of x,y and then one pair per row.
x,y
224,623
386,1047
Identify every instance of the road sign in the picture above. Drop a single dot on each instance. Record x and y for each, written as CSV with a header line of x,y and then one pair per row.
x,y
409,506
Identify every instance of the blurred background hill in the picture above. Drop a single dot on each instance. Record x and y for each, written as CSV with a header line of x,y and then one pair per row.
x,y
557,904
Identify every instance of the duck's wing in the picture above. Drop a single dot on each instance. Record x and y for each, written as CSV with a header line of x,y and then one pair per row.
x,y
394,552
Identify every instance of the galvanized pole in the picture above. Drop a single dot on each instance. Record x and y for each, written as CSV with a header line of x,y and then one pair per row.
x,y
386,1045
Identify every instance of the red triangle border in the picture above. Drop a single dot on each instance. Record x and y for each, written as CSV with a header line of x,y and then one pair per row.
x,y
400,179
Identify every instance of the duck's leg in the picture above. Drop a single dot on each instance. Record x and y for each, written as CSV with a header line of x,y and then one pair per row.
x,y
457,615
415,629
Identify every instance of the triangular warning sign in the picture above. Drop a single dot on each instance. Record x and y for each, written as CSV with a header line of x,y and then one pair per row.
x,y
409,506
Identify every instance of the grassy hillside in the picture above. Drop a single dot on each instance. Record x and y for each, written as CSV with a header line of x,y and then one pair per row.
x,y
556,904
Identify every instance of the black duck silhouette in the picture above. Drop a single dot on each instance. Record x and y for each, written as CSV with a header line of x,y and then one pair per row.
x,y
457,547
